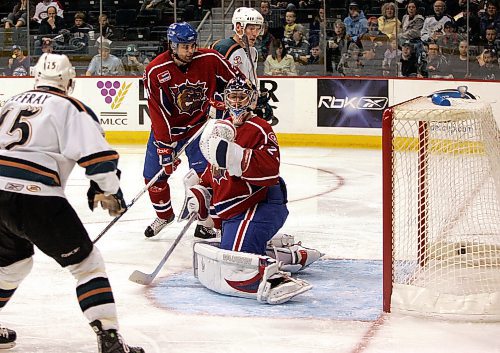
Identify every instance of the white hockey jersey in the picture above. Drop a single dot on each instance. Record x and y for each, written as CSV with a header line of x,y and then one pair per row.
x,y
43,133
237,56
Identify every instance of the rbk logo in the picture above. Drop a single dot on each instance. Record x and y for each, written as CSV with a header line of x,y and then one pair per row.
x,y
362,103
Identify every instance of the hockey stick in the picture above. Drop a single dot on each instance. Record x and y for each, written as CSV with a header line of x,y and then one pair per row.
x,y
151,182
146,279
249,55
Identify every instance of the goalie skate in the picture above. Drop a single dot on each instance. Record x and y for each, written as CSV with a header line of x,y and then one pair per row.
x,y
157,226
7,338
109,341
280,288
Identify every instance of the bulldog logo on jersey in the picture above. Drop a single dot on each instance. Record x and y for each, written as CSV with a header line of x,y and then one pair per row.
x,y
189,97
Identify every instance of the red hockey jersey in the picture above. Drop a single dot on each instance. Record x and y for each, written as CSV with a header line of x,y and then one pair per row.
x,y
234,195
178,96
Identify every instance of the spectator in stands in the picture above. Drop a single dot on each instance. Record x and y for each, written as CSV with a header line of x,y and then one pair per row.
x,y
314,57
374,43
489,18
409,63
488,65
47,45
263,42
437,65
353,64
43,6
317,27
156,4
490,39
297,46
279,63
52,24
388,23
290,18
335,47
19,15
392,55
104,63
468,23
19,64
355,23
81,29
412,23
449,41
434,24
265,9
105,28
133,62
462,64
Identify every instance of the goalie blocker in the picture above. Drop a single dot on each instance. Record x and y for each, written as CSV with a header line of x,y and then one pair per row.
x,y
244,275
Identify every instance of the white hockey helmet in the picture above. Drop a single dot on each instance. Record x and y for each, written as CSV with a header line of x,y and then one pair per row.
x,y
247,16
54,70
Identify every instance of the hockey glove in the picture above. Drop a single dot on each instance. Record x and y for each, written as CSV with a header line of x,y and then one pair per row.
x,y
166,155
114,203
228,155
198,201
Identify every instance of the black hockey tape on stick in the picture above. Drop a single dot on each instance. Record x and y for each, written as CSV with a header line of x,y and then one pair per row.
x,y
146,279
151,182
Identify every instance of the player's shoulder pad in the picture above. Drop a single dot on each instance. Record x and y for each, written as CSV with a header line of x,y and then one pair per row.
x,y
226,47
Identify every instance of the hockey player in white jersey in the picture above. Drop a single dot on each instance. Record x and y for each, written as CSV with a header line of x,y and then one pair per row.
x,y
247,24
43,134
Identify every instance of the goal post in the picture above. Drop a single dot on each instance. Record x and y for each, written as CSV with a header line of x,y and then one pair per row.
x,y
441,209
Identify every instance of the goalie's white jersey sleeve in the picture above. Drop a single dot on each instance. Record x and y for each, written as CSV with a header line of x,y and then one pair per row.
x,y
43,133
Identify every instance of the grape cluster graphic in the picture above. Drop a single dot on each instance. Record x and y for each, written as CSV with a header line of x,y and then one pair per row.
x,y
108,89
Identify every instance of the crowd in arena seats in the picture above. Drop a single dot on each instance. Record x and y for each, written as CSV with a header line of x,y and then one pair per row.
x,y
406,38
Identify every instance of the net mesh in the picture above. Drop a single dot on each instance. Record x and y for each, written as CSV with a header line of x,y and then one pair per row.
x,y
446,208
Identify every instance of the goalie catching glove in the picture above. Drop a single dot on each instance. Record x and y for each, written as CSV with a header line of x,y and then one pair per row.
x,y
218,148
114,203
197,201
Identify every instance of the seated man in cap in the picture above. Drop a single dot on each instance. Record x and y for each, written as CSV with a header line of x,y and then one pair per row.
x,y
133,62
19,64
104,63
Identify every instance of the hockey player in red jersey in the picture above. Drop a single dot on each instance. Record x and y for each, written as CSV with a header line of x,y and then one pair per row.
x,y
43,133
243,183
180,83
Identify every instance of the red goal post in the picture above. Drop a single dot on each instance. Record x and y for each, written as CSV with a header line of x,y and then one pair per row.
x,y
441,209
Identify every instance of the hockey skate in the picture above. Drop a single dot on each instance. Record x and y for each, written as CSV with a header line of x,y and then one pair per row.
x,y
205,232
278,287
157,225
293,257
110,341
7,338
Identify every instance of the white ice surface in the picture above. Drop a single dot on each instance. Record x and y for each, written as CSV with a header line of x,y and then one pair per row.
x,y
335,206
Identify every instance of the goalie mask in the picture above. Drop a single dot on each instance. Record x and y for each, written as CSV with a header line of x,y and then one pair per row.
x,y
56,71
240,97
247,16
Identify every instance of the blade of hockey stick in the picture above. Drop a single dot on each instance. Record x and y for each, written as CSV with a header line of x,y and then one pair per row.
x,y
146,279
151,182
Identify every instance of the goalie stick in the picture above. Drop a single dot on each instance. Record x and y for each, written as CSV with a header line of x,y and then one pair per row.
x,y
146,279
151,182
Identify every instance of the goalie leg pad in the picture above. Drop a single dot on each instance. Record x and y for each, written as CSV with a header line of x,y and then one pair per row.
x,y
291,257
243,275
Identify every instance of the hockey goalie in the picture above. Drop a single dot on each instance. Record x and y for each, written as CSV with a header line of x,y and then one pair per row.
x,y
243,193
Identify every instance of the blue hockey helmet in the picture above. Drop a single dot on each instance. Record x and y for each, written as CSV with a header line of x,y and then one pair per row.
x,y
240,96
181,33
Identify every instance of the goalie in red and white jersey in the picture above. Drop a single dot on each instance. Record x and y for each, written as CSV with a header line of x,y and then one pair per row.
x,y
243,184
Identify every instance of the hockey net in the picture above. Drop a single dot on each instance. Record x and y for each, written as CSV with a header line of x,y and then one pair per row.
x,y
441,170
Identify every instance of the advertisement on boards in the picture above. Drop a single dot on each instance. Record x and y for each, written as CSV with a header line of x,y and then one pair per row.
x,y
351,103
